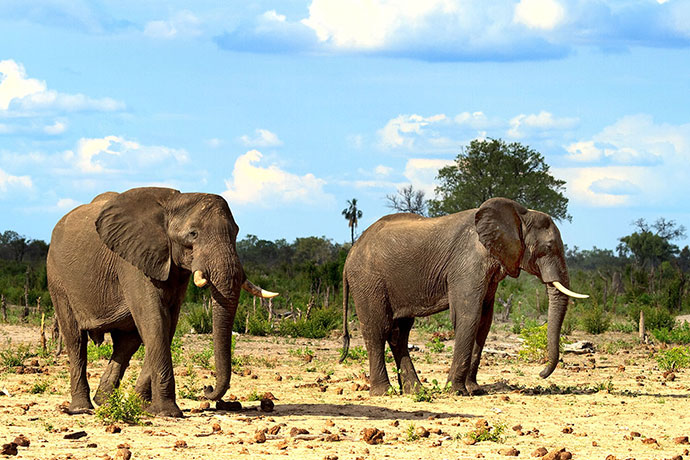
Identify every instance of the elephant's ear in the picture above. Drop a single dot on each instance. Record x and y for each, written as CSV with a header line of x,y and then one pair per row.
x,y
133,225
499,228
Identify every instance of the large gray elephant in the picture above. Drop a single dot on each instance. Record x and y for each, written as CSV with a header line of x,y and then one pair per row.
x,y
404,266
122,264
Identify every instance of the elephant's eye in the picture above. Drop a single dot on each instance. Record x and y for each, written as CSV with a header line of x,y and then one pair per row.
x,y
193,234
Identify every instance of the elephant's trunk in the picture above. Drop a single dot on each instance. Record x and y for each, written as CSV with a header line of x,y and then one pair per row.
x,y
558,304
224,309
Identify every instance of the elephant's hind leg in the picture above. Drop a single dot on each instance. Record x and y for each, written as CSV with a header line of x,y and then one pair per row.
x,y
125,344
399,338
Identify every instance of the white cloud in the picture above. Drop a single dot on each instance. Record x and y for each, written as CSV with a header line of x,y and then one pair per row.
x,y
422,172
65,204
113,153
382,170
181,24
261,138
610,186
522,125
56,128
539,14
402,130
8,181
269,186
369,24
214,142
585,151
18,93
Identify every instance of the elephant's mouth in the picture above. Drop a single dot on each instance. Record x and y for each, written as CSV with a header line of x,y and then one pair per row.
x,y
201,281
568,292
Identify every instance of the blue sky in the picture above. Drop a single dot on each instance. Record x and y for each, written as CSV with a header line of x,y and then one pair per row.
x,y
289,108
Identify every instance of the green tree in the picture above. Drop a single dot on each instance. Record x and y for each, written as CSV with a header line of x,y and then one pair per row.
x,y
407,199
490,168
651,244
352,214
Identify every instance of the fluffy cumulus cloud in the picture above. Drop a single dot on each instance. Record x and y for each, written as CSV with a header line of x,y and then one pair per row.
x,y
402,130
633,161
269,185
422,172
181,24
458,30
261,138
114,154
22,96
529,124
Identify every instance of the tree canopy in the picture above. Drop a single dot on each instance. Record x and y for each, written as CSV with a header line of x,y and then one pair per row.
x,y
407,199
651,244
490,168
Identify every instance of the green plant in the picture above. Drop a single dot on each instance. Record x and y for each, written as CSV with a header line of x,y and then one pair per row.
x,y
534,347
595,321
654,317
199,317
487,433
14,356
254,396
435,345
302,352
679,335
428,394
97,352
122,407
319,324
673,358
190,387
39,387
357,354
603,386
614,347
203,358
411,433
521,323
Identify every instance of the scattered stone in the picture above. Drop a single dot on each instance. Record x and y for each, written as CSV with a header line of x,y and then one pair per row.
x,y
205,405
123,453
540,452
517,428
421,432
373,435
76,435
92,445
558,454
330,422
260,437
278,378
595,444
678,440
509,452
216,427
232,406
669,376
267,405
112,428
338,391
23,441
254,377
335,437
181,444
330,457
649,441
567,430
294,431
9,449
621,368
274,430
282,445
269,395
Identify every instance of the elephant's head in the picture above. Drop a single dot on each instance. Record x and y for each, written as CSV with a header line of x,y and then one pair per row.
x,y
524,239
161,231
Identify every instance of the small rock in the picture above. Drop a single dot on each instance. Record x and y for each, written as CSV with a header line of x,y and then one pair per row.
x,y
373,435
330,422
92,445
23,441
338,391
123,453
421,432
481,423
509,452
112,428
274,430
517,428
678,440
216,427
330,457
260,437
540,452
181,444
555,454
278,378
335,437
76,435
267,405
254,377
232,406
395,423
205,405
635,434
595,444
9,449
269,395
294,431
567,430
649,441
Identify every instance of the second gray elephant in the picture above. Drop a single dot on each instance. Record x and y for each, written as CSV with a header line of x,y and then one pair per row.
x,y
404,266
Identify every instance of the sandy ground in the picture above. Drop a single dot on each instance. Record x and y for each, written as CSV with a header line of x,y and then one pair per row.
x,y
594,405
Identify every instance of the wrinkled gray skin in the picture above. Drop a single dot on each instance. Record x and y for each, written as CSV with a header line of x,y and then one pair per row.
x,y
405,266
121,264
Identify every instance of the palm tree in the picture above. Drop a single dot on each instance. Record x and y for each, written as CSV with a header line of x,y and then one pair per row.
x,y
352,214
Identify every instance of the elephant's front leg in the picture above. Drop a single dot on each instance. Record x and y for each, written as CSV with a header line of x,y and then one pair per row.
x,y
482,332
465,311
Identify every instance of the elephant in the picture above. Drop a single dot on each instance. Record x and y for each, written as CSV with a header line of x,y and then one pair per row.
x,y
121,264
405,266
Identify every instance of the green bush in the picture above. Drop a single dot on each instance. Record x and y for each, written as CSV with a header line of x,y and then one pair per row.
x,y
14,356
121,407
673,358
654,317
595,321
317,326
679,334
200,318
534,347
357,354
97,352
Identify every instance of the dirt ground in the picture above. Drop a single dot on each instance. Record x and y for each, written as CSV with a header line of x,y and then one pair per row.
x,y
614,402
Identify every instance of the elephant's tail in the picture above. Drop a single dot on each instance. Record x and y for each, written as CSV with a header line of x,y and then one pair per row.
x,y
346,333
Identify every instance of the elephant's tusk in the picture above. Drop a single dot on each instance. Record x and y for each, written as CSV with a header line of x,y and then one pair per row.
x,y
253,289
199,279
568,292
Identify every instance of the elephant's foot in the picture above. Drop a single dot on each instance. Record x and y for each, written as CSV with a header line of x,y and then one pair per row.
x,y
459,389
412,387
380,389
164,409
474,389
80,405
102,394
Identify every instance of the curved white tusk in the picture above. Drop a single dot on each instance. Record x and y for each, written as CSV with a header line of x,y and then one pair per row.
x,y
568,292
199,279
253,289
